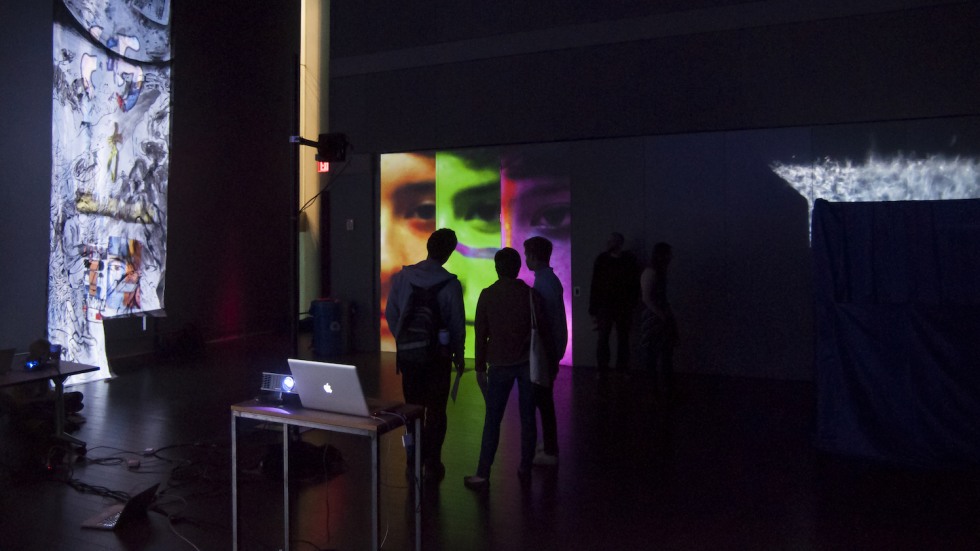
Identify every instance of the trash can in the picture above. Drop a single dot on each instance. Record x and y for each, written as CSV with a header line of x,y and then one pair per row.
x,y
327,327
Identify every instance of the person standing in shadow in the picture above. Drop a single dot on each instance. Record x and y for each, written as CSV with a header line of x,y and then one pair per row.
x,y
503,346
427,371
537,256
612,300
658,328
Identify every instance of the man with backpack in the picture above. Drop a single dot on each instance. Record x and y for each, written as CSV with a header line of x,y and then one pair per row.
x,y
425,314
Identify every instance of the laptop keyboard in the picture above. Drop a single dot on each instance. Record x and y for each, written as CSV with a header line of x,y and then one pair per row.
x,y
110,520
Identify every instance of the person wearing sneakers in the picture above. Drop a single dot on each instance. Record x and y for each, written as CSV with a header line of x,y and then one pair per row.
x,y
537,256
503,346
427,373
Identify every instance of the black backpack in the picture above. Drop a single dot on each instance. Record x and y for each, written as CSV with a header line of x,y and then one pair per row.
x,y
417,342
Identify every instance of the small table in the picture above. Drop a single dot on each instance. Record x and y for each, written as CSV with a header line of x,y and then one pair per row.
x,y
369,427
19,375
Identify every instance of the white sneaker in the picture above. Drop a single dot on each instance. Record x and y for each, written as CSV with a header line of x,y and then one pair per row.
x,y
542,459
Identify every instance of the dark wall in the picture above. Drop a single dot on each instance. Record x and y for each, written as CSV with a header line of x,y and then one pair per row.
x,y
676,111
232,179
231,182
758,65
356,29
25,158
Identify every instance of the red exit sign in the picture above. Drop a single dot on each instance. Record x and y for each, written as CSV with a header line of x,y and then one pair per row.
x,y
322,166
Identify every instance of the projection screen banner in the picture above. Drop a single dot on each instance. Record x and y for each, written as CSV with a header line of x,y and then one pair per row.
x,y
110,166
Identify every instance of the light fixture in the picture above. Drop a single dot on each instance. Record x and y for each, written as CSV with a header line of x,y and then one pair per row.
x,y
332,147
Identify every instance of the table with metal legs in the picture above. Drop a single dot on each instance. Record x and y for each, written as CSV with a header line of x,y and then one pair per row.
x,y
57,373
371,428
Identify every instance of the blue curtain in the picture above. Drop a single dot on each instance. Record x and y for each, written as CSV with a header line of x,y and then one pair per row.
x,y
897,290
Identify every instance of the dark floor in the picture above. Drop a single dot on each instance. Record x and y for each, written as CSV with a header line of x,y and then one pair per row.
x,y
728,466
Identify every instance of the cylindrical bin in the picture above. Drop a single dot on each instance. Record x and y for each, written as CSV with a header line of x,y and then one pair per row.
x,y
327,327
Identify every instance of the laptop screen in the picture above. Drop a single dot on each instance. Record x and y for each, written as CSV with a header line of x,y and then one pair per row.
x,y
329,387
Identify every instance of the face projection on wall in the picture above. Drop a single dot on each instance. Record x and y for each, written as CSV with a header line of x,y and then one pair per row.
x,y
490,197
408,216
110,165
468,201
536,201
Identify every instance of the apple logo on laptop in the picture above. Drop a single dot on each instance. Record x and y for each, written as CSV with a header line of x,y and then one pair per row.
x,y
327,388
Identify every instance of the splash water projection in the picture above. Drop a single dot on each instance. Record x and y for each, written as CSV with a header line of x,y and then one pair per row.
x,y
900,178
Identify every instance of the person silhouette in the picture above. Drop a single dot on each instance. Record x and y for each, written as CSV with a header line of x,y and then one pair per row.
x,y
503,346
658,327
428,385
612,300
537,256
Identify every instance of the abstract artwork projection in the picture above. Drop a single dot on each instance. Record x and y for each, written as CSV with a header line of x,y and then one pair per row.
x,y
879,178
491,198
110,166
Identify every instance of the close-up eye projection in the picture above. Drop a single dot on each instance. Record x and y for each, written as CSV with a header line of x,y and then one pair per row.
x,y
552,218
491,198
407,205
415,202
423,210
480,207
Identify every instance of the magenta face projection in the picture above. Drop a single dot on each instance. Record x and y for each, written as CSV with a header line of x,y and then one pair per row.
x,y
536,201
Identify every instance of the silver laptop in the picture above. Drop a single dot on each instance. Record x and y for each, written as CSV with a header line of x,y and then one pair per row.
x,y
120,514
333,387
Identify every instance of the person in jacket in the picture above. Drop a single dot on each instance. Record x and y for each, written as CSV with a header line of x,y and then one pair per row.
x,y
614,293
537,256
428,386
658,327
502,348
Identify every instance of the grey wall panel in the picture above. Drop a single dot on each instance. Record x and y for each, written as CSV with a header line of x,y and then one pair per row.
x,y
354,246
607,183
903,64
25,158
